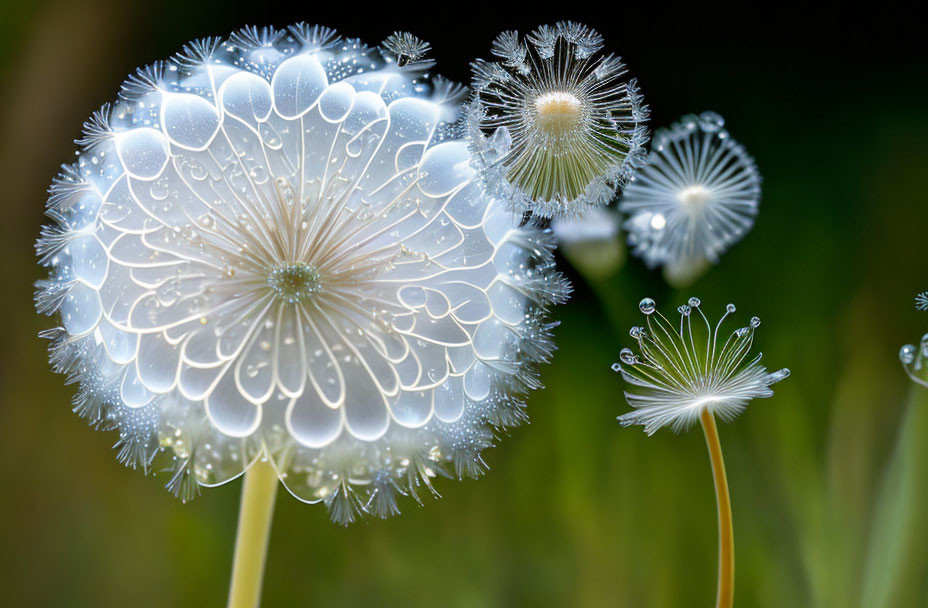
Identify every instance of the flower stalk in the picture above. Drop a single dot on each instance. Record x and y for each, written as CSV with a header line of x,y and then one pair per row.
x,y
259,493
726,588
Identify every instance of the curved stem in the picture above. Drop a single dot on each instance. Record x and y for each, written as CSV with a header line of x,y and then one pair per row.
x,y
254,529
726,589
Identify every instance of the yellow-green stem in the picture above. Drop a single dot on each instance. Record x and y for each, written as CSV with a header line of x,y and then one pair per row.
x,y
254,529
726,589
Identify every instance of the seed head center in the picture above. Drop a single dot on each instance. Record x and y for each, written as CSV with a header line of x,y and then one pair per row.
x,y
294,283
694,197
558,112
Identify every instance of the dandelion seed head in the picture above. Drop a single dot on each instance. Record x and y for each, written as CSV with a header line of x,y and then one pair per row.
x,y
273,246
557,126
697,194
407,47
682,369
921,301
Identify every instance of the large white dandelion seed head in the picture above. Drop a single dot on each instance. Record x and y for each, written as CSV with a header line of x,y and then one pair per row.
x,y
270,247
556,126
697,194
684,369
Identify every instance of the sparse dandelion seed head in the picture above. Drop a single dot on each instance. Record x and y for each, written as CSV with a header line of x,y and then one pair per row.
x,y
572,124
682,369
697,194
273,247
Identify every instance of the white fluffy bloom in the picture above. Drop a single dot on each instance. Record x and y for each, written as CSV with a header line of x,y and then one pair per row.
x,y
270,247
684,370
696,195
556,125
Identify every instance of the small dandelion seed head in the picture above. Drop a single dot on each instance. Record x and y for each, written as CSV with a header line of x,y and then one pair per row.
x,y
688,367
406,47
921,301
574,126
697,194
273,246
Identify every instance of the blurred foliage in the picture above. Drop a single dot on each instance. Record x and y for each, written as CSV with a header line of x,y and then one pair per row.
x,y
575,511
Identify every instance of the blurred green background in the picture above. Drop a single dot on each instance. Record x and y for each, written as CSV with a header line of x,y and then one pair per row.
x,y
575,510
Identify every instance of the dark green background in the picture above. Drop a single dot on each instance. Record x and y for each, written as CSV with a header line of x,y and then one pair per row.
x,y
575,510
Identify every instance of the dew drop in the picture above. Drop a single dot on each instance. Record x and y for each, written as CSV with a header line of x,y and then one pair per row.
x,y
710,122
628,357
730,308
907,354
647,306
616,367
694,302
780,375
755,322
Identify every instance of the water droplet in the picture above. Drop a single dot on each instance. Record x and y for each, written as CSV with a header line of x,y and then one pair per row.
x,y
730,308
636,332
628,357
694,302
907,354
755,322
684,310
647,306
616,367
780,375
710,122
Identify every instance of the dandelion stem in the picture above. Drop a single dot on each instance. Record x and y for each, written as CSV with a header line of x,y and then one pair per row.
x,y
726,589
254,529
